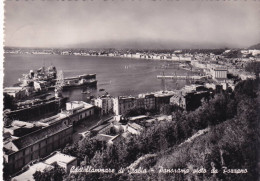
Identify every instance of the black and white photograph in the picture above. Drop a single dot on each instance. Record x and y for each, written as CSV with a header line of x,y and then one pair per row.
x,y
130,90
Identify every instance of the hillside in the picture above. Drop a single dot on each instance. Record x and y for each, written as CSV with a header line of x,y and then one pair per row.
x,y
257,46
219,136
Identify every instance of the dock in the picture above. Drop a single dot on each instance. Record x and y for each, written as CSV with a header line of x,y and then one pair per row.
x,y
180,77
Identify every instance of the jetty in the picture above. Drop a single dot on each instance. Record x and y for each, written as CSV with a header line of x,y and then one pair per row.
x,y
181,77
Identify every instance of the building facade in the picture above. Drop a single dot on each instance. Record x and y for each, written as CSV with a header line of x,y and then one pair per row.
x,y
105,103
219,73
20,151
123,104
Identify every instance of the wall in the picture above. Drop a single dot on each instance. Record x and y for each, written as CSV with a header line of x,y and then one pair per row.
x,y
39,149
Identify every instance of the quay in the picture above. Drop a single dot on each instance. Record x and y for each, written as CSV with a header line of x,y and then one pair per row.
x,y
181,77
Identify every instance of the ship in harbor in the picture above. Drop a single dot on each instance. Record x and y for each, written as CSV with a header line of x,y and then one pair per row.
x,y
80,81
32,94
46,78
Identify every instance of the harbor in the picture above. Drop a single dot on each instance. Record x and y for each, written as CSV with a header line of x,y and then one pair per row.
x,y
110,72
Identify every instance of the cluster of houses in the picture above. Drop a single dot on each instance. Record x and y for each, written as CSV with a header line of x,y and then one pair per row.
x,y
28,142
219,71
154,56
25,142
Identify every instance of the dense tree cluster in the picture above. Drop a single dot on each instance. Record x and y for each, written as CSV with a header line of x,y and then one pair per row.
x,y
253,67
9,102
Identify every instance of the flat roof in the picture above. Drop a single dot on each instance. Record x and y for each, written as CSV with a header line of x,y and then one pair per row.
x,y
40,134
14,88
135,126
28,175
98,128
80,104
53,119
163,93
137,117
103,137
60,157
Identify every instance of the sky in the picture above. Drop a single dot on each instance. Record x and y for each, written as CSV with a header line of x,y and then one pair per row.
x,y
132,24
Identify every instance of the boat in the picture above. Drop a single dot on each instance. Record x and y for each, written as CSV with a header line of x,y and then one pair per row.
x,y
48,78
101,90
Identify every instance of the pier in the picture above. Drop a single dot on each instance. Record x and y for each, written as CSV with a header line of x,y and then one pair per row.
x,y
180,77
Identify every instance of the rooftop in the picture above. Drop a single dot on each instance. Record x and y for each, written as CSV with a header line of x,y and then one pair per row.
x,y
13,89
100,127
135,126
28,175
138,117
78,105
53,119
103,137
164,93
38,135
60,157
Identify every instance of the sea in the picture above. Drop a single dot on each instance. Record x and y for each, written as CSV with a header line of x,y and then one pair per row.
x,y
117,76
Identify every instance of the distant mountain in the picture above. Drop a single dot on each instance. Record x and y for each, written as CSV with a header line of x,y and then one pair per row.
x,y
151,44
257,47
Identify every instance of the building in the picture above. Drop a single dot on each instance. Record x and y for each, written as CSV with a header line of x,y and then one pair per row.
x,y
107,139
78,111
152,101
179,100
162,98
21,128
40,85
138,118
16,92
122,104
219,73
133,128
105,103
28,175
64,161
190,97
149,101
20,151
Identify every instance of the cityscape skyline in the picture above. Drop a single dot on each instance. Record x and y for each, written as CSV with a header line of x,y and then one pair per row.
x,y
127,24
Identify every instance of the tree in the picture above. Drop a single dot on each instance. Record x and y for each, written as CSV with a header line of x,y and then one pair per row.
x,y
135,112
54,174
7,121
9,102
167,109
253,67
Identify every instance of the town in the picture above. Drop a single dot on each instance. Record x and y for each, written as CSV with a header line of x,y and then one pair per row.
x,y
36,131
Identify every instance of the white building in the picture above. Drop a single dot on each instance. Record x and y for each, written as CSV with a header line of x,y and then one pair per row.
x,y
64,161
219,73
123,104
105,103
78,110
